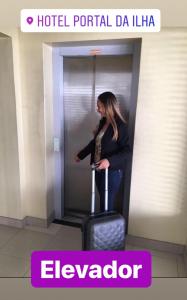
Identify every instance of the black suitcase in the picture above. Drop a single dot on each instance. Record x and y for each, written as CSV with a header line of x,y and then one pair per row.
x,y
103,231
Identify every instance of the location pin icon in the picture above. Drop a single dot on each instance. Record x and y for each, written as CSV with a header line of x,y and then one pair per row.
x,y
29,20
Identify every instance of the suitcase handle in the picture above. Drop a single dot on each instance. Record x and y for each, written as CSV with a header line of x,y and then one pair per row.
x,y
93,189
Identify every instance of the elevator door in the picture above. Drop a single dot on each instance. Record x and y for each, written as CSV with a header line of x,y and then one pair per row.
x,y
83,80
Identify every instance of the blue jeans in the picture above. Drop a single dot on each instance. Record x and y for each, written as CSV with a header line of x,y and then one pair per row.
x,y
114,180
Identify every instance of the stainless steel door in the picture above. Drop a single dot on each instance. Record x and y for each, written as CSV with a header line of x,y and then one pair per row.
x,y
84,79
79,112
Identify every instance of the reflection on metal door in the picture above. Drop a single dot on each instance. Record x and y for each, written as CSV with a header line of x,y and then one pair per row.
x,y
114,73
84,79
78,112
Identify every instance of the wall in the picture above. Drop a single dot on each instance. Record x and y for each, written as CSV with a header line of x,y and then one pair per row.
x,y
31,72
9,157
158,188
158,195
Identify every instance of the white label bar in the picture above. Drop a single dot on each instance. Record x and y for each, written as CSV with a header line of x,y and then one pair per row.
x,y
90,20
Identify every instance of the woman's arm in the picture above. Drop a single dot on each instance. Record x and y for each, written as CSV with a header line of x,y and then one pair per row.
x,y
86,150
90,147
117,160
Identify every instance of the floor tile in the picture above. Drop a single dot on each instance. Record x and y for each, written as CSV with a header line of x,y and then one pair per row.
x,y
163,254
164,267
52,229
66,240
182,272
68,231
6,233
164,264
12,266
24,243
129,247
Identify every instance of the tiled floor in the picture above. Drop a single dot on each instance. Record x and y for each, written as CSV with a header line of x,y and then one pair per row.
x,y
16,246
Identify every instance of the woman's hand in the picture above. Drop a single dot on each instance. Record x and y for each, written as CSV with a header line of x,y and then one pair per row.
x,y
77,159
103,164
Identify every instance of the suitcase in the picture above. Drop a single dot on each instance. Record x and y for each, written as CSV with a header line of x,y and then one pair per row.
x,y
103,231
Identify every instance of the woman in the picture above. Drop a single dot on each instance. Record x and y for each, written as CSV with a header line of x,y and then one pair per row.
x,y
109,148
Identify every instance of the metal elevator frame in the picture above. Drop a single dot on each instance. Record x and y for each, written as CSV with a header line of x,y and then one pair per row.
x,y
92,48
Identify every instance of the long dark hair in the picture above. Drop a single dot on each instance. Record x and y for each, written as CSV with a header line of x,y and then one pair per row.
x,y
112,110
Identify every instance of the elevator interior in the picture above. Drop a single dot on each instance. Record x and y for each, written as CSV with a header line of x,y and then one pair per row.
x,y
86,70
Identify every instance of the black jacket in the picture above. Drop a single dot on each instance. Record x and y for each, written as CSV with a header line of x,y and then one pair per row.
x,y
117,152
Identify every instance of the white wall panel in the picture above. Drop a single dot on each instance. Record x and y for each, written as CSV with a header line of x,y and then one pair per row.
x,y
9,158
158,208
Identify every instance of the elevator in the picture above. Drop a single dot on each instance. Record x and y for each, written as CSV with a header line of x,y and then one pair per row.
x,y
87,71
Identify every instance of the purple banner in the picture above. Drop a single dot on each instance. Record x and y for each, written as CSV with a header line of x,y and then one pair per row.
x,y
96,269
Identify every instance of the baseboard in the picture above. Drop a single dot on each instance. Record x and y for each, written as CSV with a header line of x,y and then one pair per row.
x,y
155,245
38,222
27,221
11,222
32,221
